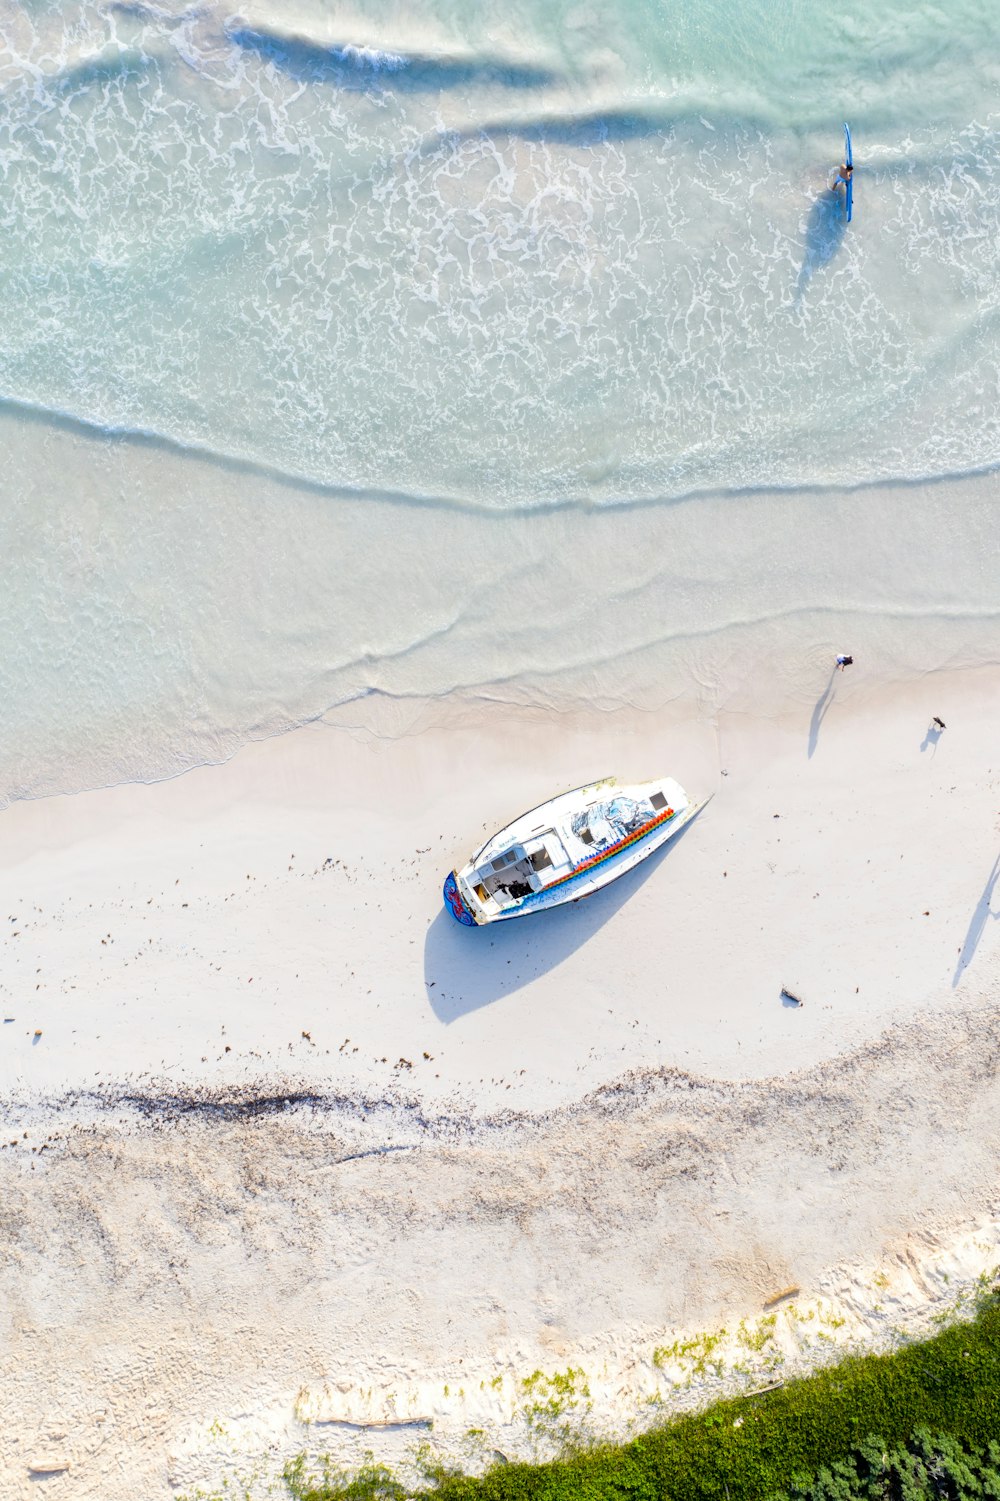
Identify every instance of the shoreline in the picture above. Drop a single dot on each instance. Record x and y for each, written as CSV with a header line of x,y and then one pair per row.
x,y
263,627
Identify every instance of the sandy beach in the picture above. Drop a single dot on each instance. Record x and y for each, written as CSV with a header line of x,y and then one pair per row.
x,y
198,928
409,413
303,1159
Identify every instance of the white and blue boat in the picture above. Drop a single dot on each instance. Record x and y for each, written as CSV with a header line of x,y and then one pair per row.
x,y
567,848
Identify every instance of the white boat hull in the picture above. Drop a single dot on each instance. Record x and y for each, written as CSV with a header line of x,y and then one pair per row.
x,y
567,849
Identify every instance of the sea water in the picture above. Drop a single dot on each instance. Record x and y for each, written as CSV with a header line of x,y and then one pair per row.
x,y
520,350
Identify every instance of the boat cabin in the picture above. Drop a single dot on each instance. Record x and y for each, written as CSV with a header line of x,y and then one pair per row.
x,y
520,870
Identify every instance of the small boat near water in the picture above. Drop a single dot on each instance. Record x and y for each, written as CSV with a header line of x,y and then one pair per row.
x,y
567,848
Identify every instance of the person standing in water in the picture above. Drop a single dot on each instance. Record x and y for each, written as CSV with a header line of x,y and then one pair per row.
x,y
843,176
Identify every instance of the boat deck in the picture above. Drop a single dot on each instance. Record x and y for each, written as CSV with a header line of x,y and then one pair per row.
x,y
584,830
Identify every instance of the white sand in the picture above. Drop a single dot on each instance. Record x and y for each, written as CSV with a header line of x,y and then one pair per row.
x,y
158,925
210,1282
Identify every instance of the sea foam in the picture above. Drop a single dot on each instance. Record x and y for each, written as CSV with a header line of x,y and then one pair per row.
x,y
442,270
534,361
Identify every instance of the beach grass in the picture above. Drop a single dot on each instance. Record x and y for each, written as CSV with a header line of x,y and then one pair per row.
x,y
921,1421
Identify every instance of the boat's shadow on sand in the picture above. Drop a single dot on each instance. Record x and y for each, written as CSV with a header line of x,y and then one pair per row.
x,y
465,968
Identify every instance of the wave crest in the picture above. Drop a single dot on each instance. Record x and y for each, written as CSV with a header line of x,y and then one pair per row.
x,y
352,64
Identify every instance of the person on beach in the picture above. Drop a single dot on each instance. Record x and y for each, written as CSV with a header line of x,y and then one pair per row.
x,y
938,724
843,662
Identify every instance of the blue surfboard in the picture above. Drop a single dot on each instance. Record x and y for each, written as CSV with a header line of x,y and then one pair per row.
x,y
848,162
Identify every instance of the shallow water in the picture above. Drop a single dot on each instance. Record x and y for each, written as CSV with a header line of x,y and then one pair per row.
x,y
421,289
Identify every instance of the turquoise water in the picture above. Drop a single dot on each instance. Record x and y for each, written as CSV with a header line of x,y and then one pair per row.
x,y
479,259
558,251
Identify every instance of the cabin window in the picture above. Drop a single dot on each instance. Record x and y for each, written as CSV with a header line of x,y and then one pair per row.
x,y
586,836
541,859
658,801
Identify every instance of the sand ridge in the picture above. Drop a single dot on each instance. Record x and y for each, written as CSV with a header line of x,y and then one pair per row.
x,y
229,1285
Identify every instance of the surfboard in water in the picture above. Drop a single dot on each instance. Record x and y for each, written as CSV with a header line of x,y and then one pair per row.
x,y
848,162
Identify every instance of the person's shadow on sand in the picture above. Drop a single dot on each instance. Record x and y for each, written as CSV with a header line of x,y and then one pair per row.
x,y
983,913
931,738
824,235
466,968
820,712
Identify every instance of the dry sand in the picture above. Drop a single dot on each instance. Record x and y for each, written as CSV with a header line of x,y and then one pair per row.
x,y
308,1166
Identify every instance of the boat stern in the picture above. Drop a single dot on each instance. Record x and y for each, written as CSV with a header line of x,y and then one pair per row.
x,y
457,904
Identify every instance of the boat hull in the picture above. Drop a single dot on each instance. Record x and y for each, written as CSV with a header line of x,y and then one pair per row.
x,y
456,905
590,876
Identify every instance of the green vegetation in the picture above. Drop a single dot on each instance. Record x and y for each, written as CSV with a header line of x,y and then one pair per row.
x,y
757,1338
553,1397
697,1351
930,1467
373,1483
923,1422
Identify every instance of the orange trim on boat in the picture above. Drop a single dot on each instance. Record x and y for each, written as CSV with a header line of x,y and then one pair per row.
x,y
614,849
